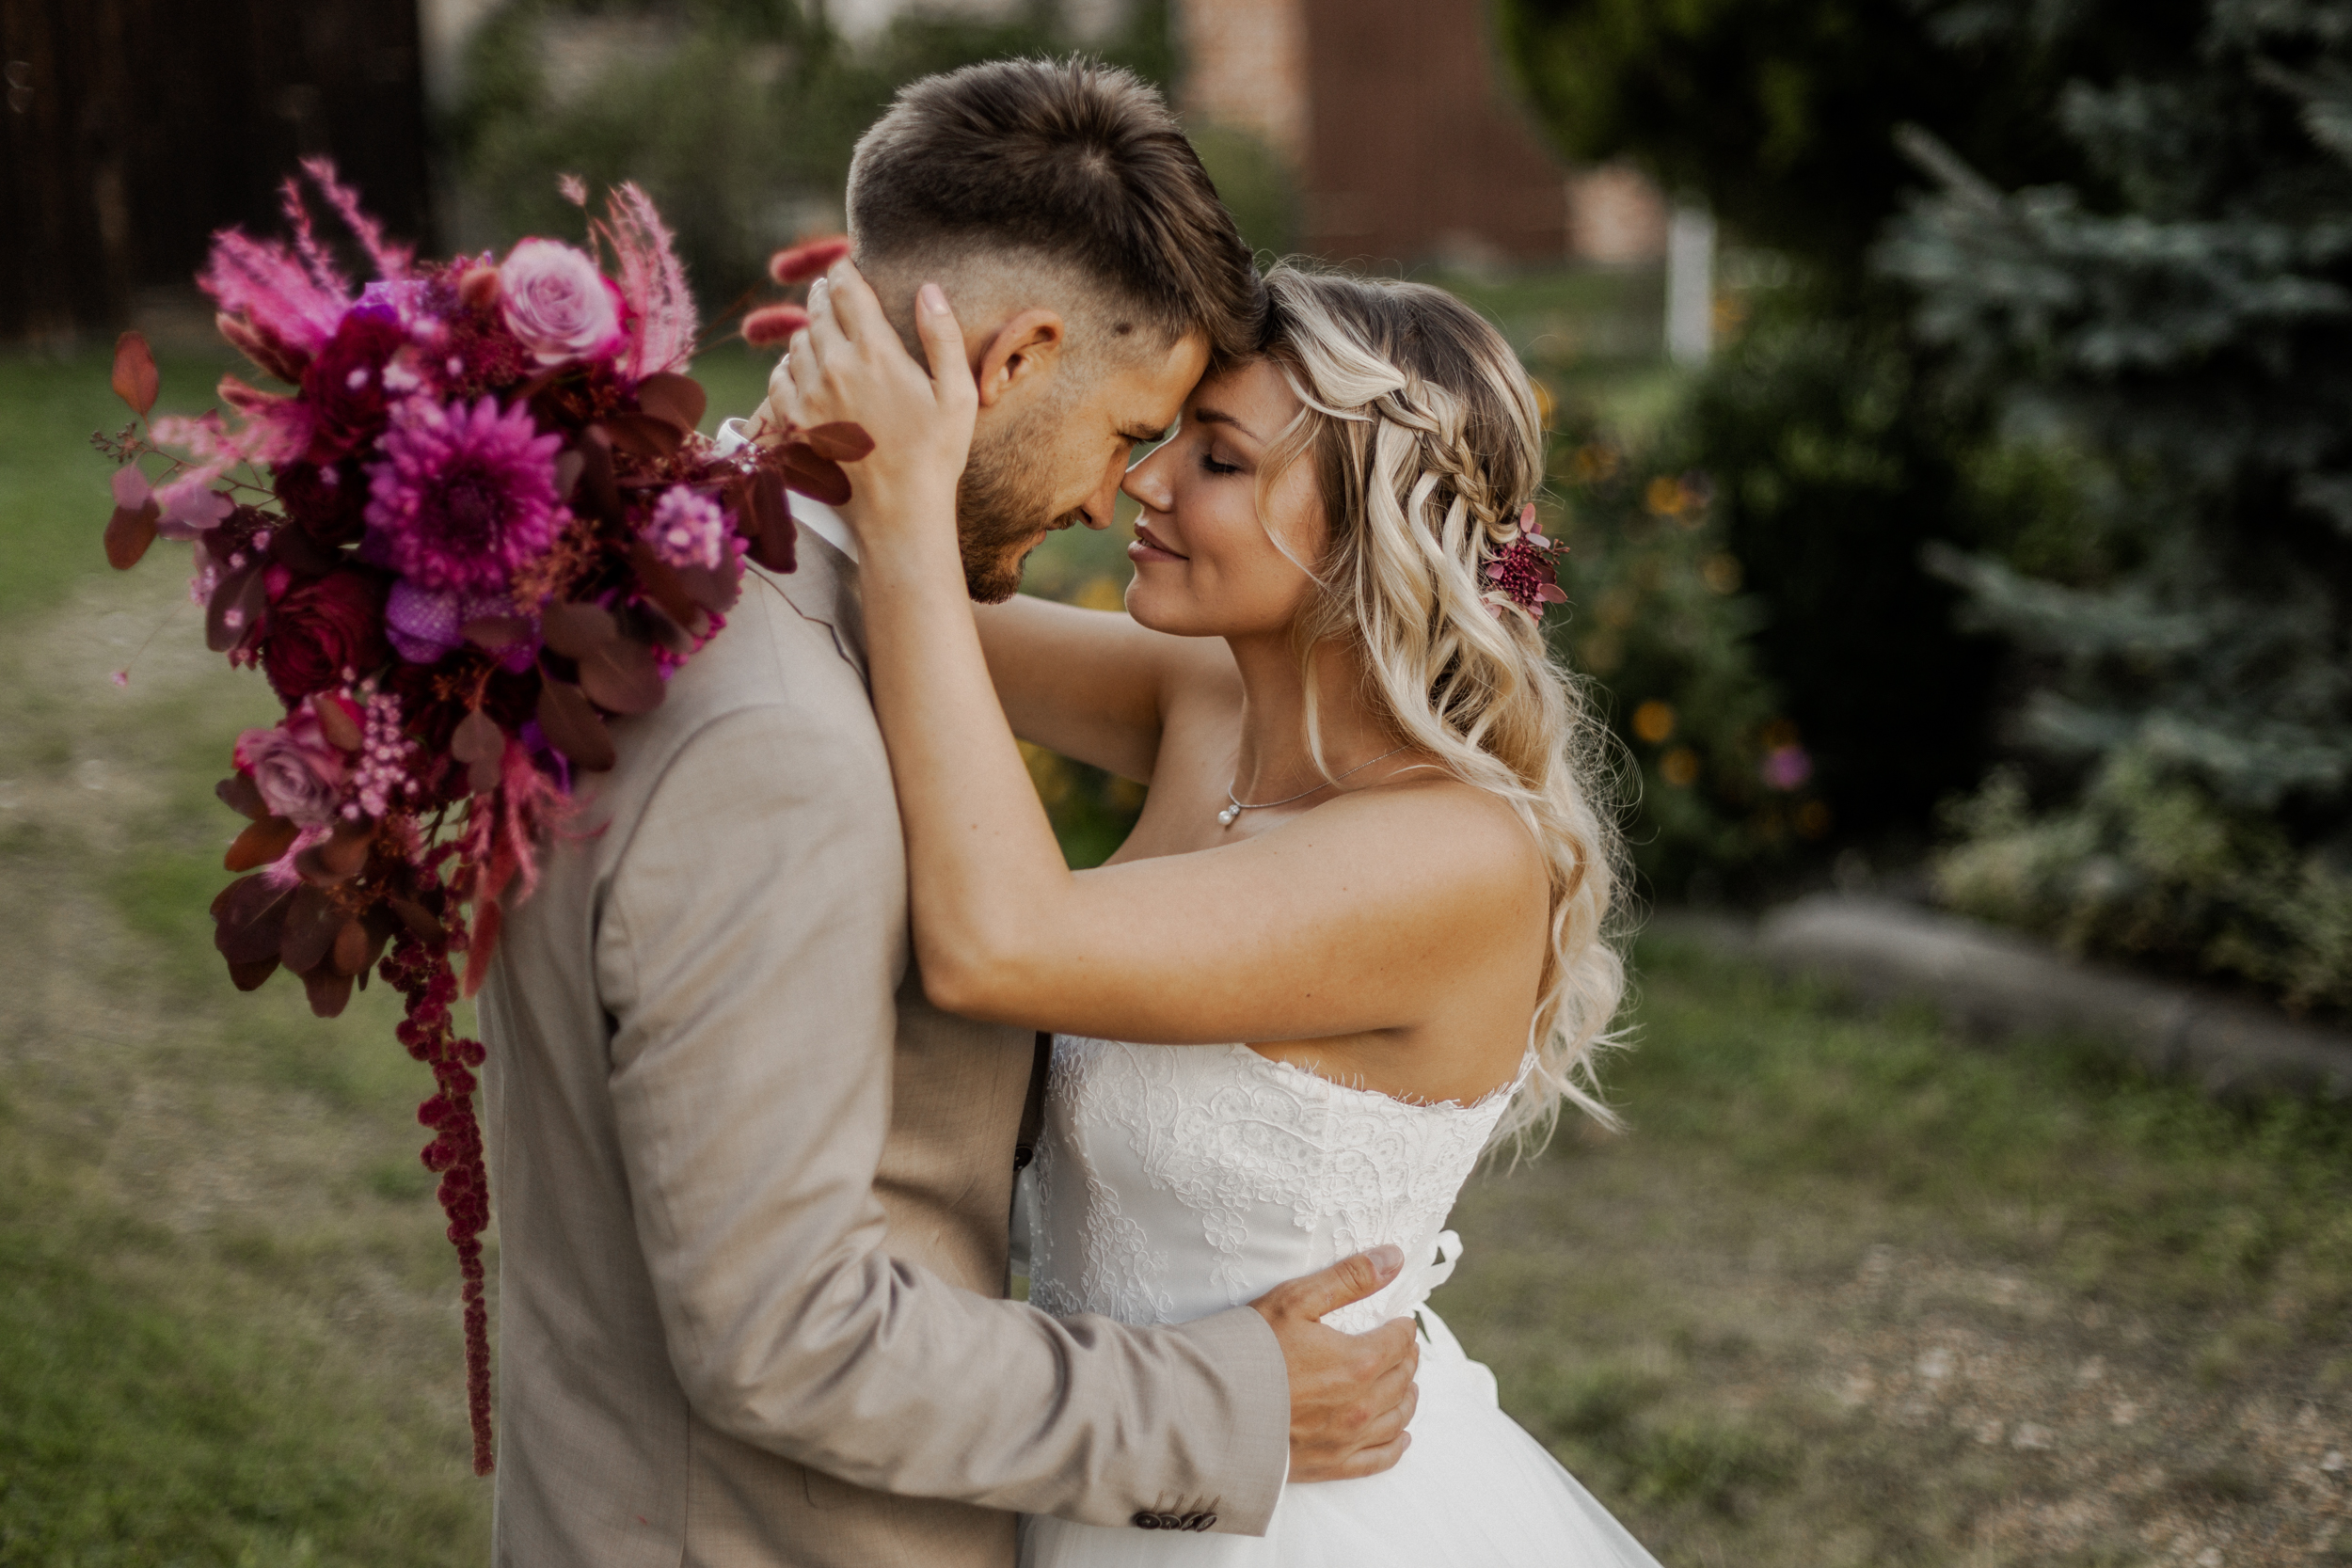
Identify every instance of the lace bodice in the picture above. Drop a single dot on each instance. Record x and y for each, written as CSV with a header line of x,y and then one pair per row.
x,y
1175,1181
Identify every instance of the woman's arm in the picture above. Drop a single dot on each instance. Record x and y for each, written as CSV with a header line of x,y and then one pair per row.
x,y
1093,685
1321,927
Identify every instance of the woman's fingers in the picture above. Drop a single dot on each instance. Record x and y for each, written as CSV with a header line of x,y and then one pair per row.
x,y
942,345
853,305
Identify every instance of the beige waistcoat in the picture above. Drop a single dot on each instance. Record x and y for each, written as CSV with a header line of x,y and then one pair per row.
x,y
751,1189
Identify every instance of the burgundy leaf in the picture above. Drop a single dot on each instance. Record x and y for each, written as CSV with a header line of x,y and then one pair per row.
x,y
840,440
261,844
597,495
237,603
350,953
418,919
574,629
568,467
661,583
249,976
241,795
717,591
678,398
136,380
496,633
643,437
249,918
621,677
330,993
311,922
479,743
129,534
572,726
771,531
339,859
814,475
335,723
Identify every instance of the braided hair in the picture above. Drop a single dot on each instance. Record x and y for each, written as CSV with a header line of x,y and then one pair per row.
x,y
1427,444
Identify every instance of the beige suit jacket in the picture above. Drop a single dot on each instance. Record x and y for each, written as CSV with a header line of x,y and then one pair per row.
x,y
753,1190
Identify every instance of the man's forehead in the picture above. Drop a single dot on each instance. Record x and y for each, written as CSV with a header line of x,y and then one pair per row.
x,y
1148,391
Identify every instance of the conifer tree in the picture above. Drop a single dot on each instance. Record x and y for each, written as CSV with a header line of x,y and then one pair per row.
x,y
2176,334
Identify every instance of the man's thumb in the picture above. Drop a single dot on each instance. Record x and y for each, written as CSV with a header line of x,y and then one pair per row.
x,y
943,342
1349,1279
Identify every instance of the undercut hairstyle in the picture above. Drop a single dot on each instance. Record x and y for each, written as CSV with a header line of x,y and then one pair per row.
x,y
1075,163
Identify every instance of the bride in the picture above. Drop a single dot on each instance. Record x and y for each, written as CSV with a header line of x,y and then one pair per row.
x,y
1370,851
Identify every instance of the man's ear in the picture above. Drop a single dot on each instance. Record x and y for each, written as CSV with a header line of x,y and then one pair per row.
x,y
1024,350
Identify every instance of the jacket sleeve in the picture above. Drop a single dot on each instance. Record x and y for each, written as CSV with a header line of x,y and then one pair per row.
x,y
750,936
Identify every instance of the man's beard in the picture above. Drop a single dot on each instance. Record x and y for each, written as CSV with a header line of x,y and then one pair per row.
x,y
1002,502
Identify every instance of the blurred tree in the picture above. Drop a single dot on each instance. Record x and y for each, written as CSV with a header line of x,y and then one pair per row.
x,y
2190,336
1778,114
1839,451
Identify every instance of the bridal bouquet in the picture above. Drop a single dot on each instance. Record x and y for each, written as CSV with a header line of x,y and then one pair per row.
x,y
477,525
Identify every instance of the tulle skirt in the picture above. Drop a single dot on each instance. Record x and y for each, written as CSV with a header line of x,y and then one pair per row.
x,y
1473,1491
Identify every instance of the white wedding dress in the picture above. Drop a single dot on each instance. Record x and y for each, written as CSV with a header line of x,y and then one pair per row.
x,y
1175,1182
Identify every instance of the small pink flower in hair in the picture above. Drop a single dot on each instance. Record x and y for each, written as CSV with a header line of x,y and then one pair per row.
x,y
1522,573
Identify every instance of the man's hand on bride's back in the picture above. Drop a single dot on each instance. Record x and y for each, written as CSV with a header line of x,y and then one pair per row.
x,y
848,364
1351,1394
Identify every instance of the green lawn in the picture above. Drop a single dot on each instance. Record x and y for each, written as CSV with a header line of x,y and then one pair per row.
x,y
1845,1293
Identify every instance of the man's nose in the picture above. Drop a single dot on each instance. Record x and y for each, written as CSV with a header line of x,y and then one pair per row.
x,y
1100,505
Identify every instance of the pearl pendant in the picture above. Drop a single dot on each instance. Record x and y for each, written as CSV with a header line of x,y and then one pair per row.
x,y
1225,817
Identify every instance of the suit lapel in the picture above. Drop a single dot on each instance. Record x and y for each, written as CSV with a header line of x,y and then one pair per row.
x,y
824,589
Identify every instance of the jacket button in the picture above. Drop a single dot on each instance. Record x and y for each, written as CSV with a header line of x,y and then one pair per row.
x,y
1199,1521
1146,1521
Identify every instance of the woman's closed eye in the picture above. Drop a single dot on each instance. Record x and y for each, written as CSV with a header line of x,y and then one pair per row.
x,y
1209,462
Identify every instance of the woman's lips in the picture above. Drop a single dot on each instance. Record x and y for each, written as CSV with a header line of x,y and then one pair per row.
x,y
1148,546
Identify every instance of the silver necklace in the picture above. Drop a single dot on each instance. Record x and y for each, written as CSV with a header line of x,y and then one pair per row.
x,y
1225,817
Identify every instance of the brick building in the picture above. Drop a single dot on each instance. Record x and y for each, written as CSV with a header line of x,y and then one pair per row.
x,y
1407,145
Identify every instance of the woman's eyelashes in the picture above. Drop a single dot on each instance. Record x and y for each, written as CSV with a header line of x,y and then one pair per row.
x,y
1209,462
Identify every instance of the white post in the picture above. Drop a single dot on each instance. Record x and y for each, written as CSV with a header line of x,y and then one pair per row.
x,y
1689,286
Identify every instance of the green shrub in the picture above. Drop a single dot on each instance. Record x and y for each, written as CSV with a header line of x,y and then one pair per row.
x,y
1657,617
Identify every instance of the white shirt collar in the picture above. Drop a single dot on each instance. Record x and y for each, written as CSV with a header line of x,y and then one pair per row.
x,y
816,516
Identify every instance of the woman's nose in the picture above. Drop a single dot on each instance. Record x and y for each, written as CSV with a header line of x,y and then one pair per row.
x,y
1147,482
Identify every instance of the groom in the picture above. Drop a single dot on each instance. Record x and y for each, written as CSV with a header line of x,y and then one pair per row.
x,y
752,1188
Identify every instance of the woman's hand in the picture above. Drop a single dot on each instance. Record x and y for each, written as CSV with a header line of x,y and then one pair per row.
x,y
848,364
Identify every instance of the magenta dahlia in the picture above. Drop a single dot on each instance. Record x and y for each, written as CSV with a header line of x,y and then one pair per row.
x,y
464,496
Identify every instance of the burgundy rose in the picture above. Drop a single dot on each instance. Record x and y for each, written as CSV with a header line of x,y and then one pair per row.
x,y
299,772
344,384
322,628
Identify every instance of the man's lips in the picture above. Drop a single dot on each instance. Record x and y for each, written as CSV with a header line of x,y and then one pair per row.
x,y
1147,540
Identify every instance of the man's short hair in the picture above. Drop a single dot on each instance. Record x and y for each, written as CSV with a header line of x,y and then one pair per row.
x,y
1074,161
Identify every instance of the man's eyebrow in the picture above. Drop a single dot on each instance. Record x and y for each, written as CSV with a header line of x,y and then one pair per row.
x,y
1213,416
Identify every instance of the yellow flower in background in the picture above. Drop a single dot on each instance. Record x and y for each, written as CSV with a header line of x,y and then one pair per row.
x,y
1722,573
1593,462
1680,767
1664,497
1654,721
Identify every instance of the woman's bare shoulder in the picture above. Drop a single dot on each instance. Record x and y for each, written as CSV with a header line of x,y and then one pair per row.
x,y
1448,837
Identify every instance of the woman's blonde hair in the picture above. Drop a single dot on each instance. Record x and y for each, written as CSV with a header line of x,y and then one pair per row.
x,y
1427,442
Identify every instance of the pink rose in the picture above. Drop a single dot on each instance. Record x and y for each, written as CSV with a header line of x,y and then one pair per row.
x,y
557,303
299,772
